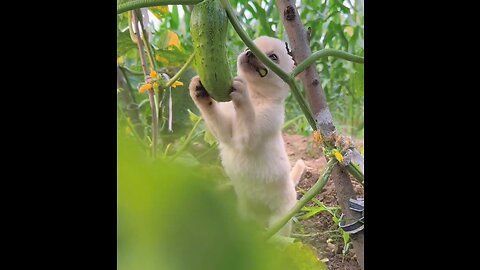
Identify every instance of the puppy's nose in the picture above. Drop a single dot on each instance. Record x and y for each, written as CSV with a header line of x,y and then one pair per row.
x,y
249,54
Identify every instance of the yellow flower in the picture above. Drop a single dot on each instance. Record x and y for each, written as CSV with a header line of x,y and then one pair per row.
x,y
173,39
177,83
120,60
153,74
145,87
338,155
156,85
317,137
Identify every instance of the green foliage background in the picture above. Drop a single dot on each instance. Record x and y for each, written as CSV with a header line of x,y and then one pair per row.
x,y
170,214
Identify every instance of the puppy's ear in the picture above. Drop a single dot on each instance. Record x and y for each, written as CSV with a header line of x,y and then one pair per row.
x,y
289,52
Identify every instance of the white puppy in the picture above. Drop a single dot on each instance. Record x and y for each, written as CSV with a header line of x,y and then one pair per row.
x,y
249,133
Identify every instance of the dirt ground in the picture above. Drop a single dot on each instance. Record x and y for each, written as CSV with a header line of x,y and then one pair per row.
x,y
314,230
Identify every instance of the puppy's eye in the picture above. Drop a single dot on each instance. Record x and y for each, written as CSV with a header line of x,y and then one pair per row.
x,y
273,57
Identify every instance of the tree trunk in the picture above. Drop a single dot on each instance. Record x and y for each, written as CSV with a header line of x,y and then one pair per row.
x,y
299,41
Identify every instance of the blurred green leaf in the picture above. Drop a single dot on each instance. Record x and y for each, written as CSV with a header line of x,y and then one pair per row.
x,y
209,138
175,19
124,43
303,257
193,117
160,12
358,77
262,17
170,217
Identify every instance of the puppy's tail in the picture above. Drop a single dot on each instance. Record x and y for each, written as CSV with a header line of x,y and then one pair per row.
x,y
297,171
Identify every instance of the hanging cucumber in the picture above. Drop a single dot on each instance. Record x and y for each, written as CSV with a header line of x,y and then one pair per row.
x,y
208,26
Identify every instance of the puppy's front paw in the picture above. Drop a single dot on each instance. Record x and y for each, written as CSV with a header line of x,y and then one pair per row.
x,y
198,92
239,93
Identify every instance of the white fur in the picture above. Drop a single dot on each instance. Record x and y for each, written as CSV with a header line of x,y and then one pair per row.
x,y
249,132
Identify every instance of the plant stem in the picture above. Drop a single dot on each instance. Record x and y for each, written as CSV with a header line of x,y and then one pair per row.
x,y
181,71
255,50
151,93
355,173
269,63
303,105
126,6
314,190
146,42
187,140
133,37
325,53
153,64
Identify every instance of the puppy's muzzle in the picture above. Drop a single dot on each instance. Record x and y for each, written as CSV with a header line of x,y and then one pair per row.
x,y
252,60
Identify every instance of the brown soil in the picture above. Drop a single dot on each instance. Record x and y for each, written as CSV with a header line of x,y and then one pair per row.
x,y
317,229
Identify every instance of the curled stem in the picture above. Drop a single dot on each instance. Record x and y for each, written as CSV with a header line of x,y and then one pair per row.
x,y
325,53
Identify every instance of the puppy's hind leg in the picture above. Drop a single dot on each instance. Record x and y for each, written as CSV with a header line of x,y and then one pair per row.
x,y
297,171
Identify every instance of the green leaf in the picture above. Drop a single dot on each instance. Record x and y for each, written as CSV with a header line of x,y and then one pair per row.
x,y
209,138
122,22
124,42
262,18
358,79
175,18
250,8
303,257
171,57
193,117
134,80
356,33
187,159
346,238
328,35
343,8
339,32
312,211
282,240
160,12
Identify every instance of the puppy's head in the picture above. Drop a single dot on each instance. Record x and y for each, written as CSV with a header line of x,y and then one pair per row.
x,y
256,73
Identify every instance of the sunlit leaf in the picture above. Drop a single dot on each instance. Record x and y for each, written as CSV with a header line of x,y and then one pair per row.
x,y
303,257
159,11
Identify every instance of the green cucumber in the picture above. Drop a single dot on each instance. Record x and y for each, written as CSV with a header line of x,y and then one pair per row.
x,y
208,26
